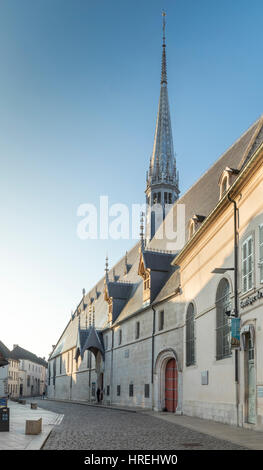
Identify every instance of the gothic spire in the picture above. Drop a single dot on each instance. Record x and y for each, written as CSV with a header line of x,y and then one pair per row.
x,y
163,164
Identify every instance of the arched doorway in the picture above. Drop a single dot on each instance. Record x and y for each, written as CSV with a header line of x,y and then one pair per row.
x,y
168,382
171,386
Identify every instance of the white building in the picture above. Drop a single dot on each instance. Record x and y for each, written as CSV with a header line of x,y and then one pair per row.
x,y
155,331
31,373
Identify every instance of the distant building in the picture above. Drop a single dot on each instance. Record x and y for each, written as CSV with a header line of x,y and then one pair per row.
x,y
22,373
4,354
32,372
9,373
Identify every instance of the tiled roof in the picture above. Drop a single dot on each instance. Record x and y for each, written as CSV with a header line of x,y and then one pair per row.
x,y
20,353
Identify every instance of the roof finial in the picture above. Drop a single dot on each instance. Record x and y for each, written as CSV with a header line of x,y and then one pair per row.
x,y
93,315
141,232
164,23
107,269
164,75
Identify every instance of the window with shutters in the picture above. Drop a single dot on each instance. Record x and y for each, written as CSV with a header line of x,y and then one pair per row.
x,y
247,264
261,252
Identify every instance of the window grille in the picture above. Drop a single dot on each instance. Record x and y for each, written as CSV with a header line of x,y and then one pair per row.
x,y
223,304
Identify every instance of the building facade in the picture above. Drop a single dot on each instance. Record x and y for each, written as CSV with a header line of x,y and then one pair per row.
x,y
23,373
179,330
32,372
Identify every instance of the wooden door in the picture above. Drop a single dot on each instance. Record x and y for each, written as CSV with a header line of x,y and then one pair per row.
x,y
171,385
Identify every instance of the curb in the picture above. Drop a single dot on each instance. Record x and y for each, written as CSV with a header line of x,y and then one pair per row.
x,y
91,404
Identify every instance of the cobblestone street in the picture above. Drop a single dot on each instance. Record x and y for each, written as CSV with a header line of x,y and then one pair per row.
x,y
93,428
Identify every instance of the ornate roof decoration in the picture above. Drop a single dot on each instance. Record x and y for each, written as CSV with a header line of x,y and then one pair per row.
x,y
163,165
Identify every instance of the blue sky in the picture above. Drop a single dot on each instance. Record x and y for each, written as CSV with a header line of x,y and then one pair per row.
x,y
79,90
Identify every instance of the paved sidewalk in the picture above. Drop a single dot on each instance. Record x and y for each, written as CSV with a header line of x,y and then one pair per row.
x,y
16,439
241,436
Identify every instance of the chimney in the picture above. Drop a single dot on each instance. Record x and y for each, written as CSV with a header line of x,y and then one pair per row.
x,y
14,346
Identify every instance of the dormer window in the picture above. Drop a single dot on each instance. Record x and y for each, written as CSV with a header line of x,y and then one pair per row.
x,y
146,286
194,224
226,180
110,309
224,186
191,229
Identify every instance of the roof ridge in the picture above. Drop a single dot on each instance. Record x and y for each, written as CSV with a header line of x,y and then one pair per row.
x,y
252,141
219,158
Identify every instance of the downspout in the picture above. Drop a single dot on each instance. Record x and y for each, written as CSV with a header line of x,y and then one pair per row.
x,y
236,298
111,371
153,333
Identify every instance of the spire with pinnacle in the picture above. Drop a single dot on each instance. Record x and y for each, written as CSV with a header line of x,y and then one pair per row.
x,y
162,177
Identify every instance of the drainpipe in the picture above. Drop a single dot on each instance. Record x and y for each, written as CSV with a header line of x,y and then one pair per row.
x,y
236,297
111,371
153,333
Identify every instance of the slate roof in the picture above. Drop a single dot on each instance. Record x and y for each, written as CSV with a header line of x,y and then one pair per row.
x,y
94,342
201,198
157,261
119,290
20,353
4,354
204,195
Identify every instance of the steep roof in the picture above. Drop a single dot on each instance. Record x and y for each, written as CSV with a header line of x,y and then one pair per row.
x,y
4,354
201,198
20,353
204,195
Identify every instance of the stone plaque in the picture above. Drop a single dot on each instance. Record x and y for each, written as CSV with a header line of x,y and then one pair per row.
x,y
204,377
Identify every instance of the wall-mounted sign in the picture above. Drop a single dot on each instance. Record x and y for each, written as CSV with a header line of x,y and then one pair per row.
x,y
126,353
251,299
204,377
235,332
260,391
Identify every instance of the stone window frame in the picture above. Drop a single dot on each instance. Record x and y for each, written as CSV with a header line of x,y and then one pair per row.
x,y
246,273
190,335
223,322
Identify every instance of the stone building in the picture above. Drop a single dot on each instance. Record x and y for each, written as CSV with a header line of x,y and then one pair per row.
x,y
22,374
4,352
9,374
32,372
179,331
